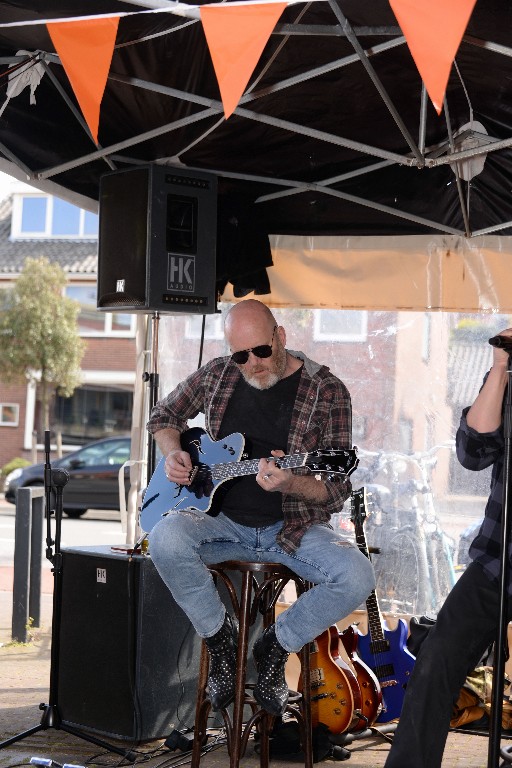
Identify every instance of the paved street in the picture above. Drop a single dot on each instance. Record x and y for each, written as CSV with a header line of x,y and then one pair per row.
x,y
95,527
26,675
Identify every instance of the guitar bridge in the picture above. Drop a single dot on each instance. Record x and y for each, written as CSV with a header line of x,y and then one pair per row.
x,y
323,696
193,474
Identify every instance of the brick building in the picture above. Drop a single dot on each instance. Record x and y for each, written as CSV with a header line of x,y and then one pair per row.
x,y
34,224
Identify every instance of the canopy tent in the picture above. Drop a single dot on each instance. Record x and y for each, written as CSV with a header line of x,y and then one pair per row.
x,y
371,198
335,133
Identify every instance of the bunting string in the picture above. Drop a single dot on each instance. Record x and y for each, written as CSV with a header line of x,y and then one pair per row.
x,y
236,34
179,9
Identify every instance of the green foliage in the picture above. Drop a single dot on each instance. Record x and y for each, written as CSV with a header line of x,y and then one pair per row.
x,y
13,464
39,337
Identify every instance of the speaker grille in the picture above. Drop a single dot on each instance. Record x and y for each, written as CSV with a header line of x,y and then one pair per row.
x,y
120,300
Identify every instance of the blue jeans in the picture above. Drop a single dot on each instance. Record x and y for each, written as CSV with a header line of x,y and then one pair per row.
x,y
184,543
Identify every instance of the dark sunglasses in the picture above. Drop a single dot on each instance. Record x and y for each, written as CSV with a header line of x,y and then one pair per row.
x,y
264,350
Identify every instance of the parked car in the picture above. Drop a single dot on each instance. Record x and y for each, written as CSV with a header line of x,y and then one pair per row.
x,y
93,476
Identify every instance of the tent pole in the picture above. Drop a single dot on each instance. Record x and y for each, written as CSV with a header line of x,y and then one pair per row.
x,y
500,647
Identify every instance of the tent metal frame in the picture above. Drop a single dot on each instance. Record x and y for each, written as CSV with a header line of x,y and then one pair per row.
x,y
417,154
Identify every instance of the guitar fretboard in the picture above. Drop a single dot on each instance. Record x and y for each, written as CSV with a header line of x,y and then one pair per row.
x,y
379,643
251,466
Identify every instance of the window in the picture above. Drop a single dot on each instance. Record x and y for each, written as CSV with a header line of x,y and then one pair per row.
x,y
340,325
91,322
33,216
9,414
93,412
65,218
44,216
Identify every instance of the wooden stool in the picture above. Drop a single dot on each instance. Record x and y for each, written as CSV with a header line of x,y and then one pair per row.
x,y
254,597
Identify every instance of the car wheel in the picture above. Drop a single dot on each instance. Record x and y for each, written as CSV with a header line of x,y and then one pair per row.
x,y
74,513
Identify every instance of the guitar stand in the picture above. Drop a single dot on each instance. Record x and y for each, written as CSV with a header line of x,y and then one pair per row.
x,y
381,731
55,480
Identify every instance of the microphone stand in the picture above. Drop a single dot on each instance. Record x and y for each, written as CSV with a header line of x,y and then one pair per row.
x,y
54,482
501,645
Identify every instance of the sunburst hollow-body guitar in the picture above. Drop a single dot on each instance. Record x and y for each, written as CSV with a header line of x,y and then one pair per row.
x,y
371,692
335,692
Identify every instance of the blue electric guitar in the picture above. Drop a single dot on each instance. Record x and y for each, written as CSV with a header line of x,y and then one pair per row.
x,y
214,462
383,650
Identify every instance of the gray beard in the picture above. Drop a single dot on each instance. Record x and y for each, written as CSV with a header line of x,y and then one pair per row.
x,y
273,379
274,376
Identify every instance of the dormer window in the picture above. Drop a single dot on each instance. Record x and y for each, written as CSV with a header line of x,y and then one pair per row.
x,y
37,216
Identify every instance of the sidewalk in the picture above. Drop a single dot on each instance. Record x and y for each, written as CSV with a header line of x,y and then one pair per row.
x,y
25,673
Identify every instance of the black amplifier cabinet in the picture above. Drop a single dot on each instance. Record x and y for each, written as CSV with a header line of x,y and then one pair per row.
x,y
129,657
157,241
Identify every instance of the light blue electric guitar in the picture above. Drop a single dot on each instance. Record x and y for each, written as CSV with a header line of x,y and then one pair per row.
x,y
216,461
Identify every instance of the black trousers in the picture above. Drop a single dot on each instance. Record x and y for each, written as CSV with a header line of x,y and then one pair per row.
x,y
465,627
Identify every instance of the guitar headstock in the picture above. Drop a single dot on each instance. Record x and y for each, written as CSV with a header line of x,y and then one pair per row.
x,y
333,461
358,506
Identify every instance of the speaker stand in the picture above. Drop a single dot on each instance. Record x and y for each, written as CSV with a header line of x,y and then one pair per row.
x,y
56,480
152,379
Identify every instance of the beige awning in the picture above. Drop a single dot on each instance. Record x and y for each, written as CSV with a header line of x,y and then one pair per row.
x,y
391,273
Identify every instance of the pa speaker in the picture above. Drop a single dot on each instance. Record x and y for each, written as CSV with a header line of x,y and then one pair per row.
x,y
157,241
129,657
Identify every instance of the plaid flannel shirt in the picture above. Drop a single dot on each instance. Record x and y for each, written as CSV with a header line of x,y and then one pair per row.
x,y
476,451
321,418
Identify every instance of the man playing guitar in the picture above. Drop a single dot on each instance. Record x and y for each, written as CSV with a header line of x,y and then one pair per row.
x,y
282,402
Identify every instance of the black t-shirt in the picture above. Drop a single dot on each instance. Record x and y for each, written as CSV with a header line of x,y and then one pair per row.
x,y
263,416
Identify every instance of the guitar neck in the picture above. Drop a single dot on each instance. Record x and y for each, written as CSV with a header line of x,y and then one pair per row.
x,y
375,626
251,466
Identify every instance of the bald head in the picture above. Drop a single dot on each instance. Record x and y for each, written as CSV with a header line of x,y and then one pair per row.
x,y
251,324
249,314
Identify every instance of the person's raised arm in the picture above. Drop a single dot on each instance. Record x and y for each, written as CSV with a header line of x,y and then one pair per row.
x,y
485,413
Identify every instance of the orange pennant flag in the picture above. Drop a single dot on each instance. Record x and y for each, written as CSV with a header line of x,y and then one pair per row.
x,y
433,30
236,36
85,49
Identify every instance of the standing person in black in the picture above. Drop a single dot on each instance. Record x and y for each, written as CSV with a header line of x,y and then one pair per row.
x,y
467,623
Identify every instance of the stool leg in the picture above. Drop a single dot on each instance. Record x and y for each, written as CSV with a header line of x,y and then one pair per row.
x,y
266,725
241,666
306,707
202,709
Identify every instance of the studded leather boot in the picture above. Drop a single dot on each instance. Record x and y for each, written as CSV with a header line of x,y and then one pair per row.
x,y
271,690
222,668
